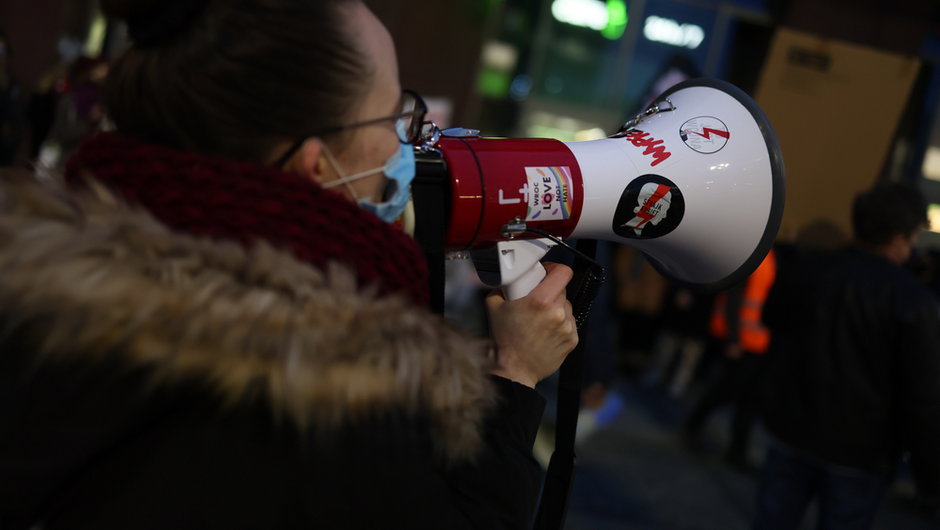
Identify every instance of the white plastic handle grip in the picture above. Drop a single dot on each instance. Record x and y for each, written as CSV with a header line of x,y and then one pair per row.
x,y
519,266
525,283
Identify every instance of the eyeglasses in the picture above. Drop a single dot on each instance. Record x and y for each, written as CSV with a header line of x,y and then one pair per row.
x,y
408,123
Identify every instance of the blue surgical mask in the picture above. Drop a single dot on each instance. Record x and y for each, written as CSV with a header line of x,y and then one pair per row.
x,y
399,169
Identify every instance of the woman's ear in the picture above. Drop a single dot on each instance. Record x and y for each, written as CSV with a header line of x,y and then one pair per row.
x,y
309,161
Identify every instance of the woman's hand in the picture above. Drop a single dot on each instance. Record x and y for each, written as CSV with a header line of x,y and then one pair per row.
x,y
535,333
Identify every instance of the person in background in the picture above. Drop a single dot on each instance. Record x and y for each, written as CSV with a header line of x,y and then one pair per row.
x,y
12,118
78,111
638,291
855,376
217,324
738,326
681,342
43,102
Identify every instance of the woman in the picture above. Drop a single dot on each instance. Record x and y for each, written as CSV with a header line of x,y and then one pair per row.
x,y
216,326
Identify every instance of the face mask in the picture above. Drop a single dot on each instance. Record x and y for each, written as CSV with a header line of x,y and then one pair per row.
x,y
400,171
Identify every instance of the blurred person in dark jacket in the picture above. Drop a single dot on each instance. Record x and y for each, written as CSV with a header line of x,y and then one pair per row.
x,y
855,373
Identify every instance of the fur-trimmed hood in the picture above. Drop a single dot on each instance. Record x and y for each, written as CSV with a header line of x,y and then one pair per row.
x,y
95,279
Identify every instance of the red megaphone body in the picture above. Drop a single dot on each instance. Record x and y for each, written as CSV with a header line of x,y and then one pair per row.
x,y
696,183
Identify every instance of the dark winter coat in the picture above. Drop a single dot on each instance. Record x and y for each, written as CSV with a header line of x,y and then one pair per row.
x,y
855,364
151,379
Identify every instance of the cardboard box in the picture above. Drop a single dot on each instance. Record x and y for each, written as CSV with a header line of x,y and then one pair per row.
x,y
835,107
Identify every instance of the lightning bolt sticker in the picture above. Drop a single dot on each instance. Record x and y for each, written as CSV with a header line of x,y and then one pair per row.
x,y
705,134
650,206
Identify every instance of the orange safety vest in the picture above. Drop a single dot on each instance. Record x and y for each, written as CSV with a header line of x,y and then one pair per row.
x,y
753,336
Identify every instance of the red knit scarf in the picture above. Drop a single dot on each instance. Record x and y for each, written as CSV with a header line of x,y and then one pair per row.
x,y
248,202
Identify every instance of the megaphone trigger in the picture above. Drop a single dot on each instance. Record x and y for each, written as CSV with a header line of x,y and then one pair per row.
x,y
513,265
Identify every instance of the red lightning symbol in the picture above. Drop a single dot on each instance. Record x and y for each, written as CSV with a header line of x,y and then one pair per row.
x,y
708,133
644,213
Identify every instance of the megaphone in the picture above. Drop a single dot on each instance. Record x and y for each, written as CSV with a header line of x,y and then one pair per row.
x,y
696,182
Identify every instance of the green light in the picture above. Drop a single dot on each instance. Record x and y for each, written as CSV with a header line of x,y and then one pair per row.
x,y
617,19
493,83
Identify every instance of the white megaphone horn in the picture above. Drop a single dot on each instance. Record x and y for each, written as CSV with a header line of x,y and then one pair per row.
x,y
696,183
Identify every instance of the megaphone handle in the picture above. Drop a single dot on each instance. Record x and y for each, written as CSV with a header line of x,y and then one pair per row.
x,y
525,283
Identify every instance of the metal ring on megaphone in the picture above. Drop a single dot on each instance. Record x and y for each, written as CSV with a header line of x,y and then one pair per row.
x,y
652,109
431,137
513,228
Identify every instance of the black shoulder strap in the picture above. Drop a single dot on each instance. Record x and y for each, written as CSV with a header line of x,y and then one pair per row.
x,y
553,506
430,193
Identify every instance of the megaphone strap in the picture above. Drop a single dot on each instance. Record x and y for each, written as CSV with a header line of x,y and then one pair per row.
x,y
560,242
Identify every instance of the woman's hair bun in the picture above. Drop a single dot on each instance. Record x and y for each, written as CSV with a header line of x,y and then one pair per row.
x,y
153,22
